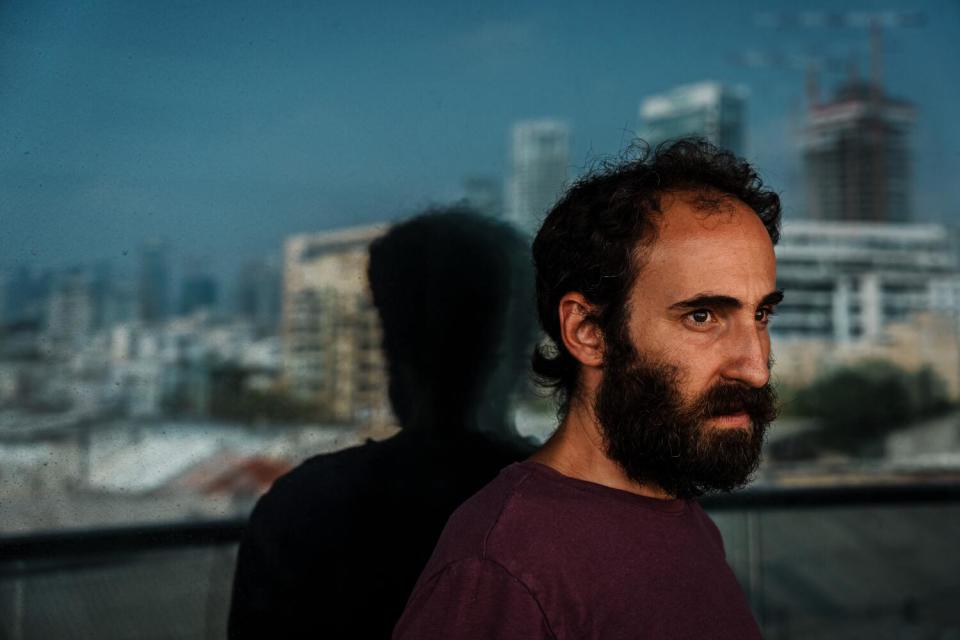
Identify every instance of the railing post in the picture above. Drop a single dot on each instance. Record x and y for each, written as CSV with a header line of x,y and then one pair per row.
x,y
17,606
755,565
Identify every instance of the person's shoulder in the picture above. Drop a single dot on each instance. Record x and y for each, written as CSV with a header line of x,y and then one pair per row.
x,y
320,482
495,512
326,466
708,525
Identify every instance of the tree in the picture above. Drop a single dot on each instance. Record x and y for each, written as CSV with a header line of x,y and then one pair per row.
x,y
231,399
857,405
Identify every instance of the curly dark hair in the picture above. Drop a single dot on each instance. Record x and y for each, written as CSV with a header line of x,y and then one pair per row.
x,y
592,241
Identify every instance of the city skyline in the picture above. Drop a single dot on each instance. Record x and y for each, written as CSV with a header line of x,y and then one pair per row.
x,y
225,128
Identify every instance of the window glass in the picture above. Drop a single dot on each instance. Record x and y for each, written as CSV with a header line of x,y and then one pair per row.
x,y
190,191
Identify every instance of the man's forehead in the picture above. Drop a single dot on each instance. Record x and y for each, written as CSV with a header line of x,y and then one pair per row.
x,y
692,215
699,248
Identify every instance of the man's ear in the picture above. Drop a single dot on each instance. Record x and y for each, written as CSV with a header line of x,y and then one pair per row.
x,y
580,333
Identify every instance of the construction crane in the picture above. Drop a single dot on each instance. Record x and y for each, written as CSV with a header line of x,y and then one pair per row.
x,y
839,19
875,21
811,64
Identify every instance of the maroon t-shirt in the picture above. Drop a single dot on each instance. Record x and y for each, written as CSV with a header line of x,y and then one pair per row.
x,y
536,554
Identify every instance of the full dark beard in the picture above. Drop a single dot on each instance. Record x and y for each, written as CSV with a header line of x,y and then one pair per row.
x,y
656,438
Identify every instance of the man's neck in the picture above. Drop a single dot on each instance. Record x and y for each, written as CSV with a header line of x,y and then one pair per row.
x,y
577,450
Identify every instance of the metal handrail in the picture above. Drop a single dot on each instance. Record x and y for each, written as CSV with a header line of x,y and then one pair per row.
x,y
154,537
74,542
851,495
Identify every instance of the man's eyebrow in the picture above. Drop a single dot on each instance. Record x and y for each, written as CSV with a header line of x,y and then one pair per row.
x,y
707,300
772,298
719,301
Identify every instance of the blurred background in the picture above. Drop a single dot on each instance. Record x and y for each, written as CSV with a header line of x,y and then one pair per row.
x,y
189,190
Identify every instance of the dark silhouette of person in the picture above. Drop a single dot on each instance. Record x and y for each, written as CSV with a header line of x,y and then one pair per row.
x,y
335,547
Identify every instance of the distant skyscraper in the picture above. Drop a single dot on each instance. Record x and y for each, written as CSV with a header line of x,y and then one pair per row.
x,y
26,296
72,308
122,303
540,157
259,289
101,285
706,109
857,156
197,292
484,195
5,280
154,281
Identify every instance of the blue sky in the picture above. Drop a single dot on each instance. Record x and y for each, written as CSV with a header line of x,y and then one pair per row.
x,y
225,126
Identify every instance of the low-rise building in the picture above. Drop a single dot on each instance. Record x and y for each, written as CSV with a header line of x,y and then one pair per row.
x,y
331,335
845,282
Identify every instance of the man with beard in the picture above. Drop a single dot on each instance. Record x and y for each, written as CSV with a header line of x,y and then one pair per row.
x,y
655,285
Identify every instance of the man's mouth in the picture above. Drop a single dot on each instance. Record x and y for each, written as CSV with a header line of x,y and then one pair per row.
x,y
731,420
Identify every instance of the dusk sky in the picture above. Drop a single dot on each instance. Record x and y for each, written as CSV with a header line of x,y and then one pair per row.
x,y
225,126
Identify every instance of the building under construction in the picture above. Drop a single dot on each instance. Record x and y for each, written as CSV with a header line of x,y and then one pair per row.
x,y
857,152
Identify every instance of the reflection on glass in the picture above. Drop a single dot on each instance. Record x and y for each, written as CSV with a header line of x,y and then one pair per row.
x,y
190,191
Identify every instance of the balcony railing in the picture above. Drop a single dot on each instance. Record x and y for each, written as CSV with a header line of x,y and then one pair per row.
x,y
826,563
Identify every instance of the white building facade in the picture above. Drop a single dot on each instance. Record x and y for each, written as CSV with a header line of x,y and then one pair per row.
x,y
540,157
845,282
707,109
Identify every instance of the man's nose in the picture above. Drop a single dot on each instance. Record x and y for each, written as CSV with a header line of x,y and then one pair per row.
x,y
747,356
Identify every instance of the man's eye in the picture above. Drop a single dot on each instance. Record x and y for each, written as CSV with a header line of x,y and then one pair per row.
x,y
700,316
763,315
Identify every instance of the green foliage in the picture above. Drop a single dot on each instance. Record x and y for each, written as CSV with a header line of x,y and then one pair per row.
x,y
232,400
858,404
263,406
929,392
787,400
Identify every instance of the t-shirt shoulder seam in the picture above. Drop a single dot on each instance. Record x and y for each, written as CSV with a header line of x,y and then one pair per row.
x,y
503,507
450,565
681,511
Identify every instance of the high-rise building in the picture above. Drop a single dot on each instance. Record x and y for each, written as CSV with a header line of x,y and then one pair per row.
x,y
258,292
26,296
707,109
71,315
330,331
6,278
198,291
121,303
101,286
154,281
484,195
857,156
540,157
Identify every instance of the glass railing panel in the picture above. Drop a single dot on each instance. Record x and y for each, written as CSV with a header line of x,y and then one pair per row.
x,y
830,571
886,571
146,594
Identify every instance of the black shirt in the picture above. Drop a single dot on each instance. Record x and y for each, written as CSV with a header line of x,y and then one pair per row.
x,y
336,545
